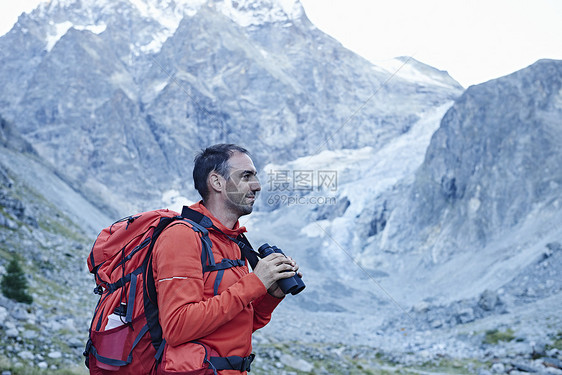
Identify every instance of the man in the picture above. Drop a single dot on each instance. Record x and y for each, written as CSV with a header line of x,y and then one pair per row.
x,y
218,313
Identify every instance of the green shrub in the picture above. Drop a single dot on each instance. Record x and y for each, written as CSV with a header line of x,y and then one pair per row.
x,y
14,283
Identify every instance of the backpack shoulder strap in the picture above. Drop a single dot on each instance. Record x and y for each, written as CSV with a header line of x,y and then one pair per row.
x,y
247,251
206,253
149,285
245,247
197,217
149,291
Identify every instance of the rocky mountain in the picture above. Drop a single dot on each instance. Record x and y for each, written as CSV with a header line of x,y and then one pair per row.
x,y
446,240
424,218
141,86
489,185
492,161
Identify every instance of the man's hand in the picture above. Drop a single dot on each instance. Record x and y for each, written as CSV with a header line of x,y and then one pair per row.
x,y
275,267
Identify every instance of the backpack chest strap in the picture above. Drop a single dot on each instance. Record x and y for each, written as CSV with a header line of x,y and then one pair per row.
x,y
220,267
224,264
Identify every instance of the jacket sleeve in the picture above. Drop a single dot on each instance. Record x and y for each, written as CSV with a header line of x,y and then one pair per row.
x,y
183,312
263,308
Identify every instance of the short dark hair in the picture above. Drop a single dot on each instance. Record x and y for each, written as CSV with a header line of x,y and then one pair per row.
x,y
213,158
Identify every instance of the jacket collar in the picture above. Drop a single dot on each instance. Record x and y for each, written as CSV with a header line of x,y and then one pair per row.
x,y
234,232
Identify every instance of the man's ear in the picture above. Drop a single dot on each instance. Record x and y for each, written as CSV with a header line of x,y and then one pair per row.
x,y
215,181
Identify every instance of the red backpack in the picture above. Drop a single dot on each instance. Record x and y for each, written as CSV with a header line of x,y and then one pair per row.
x,y
125,334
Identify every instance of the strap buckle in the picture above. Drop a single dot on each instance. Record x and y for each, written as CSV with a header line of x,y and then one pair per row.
x,y
87,348
247,362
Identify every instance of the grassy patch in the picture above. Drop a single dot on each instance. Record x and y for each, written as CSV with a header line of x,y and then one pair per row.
x,y
556,342
450,366
494,336
62,227
334,359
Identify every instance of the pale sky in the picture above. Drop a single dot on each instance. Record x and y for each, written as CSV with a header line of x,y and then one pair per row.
x,y
474,40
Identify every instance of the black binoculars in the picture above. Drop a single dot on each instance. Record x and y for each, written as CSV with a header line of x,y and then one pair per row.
x,y
293,285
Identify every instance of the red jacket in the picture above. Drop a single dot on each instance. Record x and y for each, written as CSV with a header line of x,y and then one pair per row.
x,y
188,308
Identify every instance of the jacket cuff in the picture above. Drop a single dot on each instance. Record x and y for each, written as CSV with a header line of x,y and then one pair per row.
x,y
267,303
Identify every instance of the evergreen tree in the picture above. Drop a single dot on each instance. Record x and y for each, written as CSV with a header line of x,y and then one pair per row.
x,y
14,283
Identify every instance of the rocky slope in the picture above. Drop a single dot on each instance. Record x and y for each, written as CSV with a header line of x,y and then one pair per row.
x,y
48,227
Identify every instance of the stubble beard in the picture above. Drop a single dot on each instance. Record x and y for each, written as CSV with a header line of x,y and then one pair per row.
x,y
235,203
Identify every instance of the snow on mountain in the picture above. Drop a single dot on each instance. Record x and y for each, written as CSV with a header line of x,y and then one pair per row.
x,y
414,71
161,19
60,30
166,14
257,12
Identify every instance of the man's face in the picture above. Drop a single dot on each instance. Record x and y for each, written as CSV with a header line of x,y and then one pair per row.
x,y
242,186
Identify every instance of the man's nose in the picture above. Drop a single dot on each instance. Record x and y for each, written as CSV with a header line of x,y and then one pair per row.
x,y
255,185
